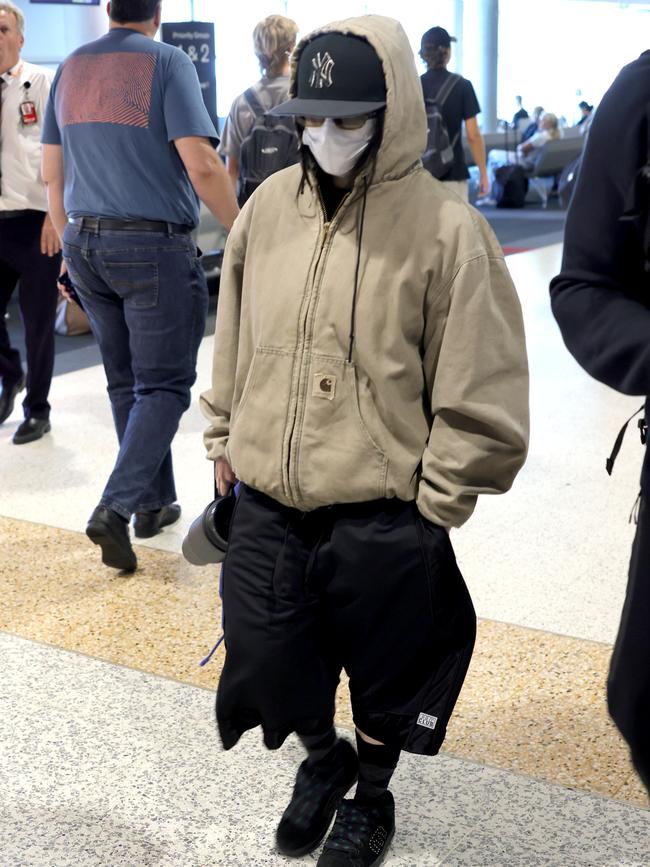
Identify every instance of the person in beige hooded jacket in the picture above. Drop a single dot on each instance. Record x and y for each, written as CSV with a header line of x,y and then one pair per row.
x,y
370,381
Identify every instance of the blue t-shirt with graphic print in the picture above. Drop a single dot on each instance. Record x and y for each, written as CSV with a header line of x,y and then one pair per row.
x,y
116,106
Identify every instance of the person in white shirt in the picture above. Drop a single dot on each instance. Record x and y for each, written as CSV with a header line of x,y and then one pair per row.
x,y
29,244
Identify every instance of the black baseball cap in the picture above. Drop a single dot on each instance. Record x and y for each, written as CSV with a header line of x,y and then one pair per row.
x,y
437,37
338,75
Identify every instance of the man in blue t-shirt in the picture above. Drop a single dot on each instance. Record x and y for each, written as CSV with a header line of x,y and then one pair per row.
x,y
128,150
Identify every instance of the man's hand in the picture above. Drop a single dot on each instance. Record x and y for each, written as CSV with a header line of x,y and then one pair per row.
x,y
61,286
484,185
50,242
224,476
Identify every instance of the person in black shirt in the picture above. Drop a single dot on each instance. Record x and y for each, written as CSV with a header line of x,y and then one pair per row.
x,y
520,114
601,301
585,112
461,105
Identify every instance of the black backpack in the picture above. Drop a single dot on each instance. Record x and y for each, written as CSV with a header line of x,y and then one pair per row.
x,y
271,145
438,158
510,186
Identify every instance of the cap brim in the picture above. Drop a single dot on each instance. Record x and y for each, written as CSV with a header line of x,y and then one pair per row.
x,y
325,108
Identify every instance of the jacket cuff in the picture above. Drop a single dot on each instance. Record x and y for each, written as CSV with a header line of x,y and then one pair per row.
x,y
215,445
442,509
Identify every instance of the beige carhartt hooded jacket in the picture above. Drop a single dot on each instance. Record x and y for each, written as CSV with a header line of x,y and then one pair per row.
x,y
433,404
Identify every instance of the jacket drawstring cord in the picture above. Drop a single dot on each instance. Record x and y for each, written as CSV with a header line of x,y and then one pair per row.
x,y
356,270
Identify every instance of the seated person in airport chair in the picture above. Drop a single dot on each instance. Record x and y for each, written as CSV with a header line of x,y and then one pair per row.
x,y
534,126
369,382
586,115
528,150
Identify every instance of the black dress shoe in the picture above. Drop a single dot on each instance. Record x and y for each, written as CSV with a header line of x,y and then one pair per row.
x,y
111,532
8,398
31,429
147,524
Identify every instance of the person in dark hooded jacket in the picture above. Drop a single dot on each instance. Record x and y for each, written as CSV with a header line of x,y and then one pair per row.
x,y
601,300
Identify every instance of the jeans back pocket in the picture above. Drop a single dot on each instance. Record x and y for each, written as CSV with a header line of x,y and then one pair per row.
x,y
135,282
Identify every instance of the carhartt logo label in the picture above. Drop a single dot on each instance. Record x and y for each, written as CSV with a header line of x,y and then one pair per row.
x,y
428,721
324,385
321,74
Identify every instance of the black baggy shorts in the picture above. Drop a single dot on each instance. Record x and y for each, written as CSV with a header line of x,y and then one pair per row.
x,y
372,588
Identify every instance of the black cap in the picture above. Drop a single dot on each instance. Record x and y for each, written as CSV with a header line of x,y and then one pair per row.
x,y
437,37
585,105
339,75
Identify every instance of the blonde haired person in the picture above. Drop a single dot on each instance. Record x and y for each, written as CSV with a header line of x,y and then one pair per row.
x,y
549,130
274,38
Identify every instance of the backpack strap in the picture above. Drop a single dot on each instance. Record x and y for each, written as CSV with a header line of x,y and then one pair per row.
x,y
609,463
446,89
442,95
253,102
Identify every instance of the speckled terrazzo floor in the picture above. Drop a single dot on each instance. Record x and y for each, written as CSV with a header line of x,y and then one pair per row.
x,y
110,766
533,702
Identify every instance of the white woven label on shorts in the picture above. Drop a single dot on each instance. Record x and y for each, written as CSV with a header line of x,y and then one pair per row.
x,y
428,721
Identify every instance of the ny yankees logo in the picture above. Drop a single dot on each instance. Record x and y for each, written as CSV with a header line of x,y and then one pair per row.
x,y
321,75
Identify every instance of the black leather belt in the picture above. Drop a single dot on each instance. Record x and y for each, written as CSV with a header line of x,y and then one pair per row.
x,y
96,224
9,215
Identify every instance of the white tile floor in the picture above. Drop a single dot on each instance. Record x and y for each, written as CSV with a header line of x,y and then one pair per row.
x,y
116,767
109,766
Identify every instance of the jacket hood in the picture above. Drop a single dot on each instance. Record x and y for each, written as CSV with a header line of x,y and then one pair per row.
x,y
405,126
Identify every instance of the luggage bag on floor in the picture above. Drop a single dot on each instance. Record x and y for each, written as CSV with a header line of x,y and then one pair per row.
x,y
510,187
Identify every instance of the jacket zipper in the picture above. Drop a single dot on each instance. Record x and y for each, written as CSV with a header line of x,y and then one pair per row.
x,y
304,340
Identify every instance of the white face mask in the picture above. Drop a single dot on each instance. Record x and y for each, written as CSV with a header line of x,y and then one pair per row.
x,y
337,150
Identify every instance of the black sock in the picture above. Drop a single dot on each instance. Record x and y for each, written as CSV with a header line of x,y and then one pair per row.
x,y
376,766
319,745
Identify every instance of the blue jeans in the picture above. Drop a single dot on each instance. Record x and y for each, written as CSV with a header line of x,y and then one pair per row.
x,y
146,297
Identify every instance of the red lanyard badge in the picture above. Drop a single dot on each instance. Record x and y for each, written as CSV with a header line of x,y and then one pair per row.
x,y
27,108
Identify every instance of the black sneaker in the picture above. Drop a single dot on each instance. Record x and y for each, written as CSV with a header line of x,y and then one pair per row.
x,y
361,834
316,795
